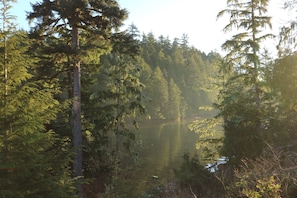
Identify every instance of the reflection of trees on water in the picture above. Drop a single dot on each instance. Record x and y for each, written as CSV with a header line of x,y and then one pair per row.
x,y
170,143
164,145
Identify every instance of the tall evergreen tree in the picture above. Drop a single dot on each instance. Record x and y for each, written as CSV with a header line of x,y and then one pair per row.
x,y
6,32
117,95
287,35
282,82
33,159
7,28
149,51
97,19
241,104
158,91
173,110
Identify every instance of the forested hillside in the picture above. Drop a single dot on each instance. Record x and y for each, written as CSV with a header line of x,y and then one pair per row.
x,y
177,77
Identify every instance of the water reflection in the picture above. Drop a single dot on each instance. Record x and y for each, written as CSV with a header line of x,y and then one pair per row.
x,y
162,148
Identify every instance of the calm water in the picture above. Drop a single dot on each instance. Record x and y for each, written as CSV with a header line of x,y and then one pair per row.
x,y
161,149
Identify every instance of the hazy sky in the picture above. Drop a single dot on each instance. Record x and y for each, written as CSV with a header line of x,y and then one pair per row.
x,y
173,18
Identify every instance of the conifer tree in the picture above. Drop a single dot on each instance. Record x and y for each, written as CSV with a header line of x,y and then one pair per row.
x,y
33,159
96,19
282,81
7,27
241,105
149,52
158,92
174,102
117,95
287,35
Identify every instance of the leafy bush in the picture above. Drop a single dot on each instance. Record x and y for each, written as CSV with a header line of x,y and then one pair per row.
x,y
271,175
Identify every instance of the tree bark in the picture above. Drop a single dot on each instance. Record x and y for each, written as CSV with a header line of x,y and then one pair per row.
x,y
77,132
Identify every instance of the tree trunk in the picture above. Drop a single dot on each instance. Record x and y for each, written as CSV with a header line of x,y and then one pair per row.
x,y
5,50
77,133
5,70
255,61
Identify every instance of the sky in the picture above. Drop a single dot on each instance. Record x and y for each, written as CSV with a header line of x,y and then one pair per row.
x,y
173,18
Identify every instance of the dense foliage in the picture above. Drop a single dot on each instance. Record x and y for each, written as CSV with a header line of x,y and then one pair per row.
x,y
74,85
256,105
